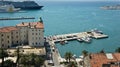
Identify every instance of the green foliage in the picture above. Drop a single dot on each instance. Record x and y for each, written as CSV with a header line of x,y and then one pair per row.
x,y
85,53
31,60
68,56
72,64
9,63
118,50
3,53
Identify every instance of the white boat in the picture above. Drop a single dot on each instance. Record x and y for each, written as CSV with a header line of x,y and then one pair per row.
x,y
86,39
80,40
8,8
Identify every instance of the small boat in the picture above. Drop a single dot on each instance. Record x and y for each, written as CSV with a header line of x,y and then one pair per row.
x,y
63,42
86,39
80,40
66,42
8,8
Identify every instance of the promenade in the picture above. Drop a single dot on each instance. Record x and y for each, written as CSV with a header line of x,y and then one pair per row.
x,y
67,37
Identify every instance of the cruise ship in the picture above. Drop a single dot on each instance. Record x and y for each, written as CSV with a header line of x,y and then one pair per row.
x,y
23,5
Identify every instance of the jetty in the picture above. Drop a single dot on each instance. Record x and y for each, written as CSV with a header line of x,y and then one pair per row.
x,y
75,36
17,18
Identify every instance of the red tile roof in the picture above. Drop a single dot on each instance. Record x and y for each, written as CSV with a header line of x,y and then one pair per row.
x,y
32,24
98,59
8,29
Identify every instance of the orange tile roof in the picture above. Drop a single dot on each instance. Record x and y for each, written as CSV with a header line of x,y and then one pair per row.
x,y
32,24
98,59
8,29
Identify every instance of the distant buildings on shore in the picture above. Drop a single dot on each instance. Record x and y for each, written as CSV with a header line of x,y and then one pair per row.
x,y
31,34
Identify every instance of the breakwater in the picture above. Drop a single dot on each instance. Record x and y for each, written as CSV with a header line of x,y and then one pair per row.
x,y
17,18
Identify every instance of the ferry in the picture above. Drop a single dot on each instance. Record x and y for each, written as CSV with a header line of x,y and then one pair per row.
x,y
29,5
8,8
115,7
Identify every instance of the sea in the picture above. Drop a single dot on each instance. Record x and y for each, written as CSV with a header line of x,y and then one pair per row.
x,y
62,17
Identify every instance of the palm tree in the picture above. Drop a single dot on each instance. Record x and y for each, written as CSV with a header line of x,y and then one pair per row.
x,y
3,53
85,53
68,56
118,50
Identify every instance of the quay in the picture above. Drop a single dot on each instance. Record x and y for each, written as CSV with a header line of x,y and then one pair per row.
x,y
74,36
17,18
56,57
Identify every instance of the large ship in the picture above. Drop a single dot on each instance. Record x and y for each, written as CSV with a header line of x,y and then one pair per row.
x,y
23,5
8,8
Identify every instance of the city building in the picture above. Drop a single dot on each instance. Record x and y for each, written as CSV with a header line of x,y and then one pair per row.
x,y
9,36
104,60
29,33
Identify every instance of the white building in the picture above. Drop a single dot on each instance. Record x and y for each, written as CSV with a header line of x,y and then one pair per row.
x,y
32,33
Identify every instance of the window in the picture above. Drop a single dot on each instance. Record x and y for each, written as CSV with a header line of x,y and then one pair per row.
x,y
8,41
32,38
2,39
32,33
17,41
32,43
16,36
16,32
39,37
36,43
36,33
39,30
7,36
39,33
33,30
2,45
2,35
36,38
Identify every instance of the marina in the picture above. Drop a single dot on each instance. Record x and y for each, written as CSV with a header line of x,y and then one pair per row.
x,y
81,36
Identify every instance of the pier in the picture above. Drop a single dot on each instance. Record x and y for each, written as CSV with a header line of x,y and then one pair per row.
x,y
17,18
74,36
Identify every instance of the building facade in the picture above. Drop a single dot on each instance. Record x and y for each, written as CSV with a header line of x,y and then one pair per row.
x,y
9,36
22,34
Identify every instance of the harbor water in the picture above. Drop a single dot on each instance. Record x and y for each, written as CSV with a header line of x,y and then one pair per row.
x,y
73,17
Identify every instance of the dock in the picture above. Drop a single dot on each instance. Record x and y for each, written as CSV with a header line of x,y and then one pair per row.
x,y
75,36
17,18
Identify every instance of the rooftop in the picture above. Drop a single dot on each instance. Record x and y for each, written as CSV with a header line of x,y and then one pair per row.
x,y
100,59
32,24
8,29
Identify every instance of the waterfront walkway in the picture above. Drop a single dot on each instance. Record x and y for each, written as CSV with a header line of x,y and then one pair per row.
x,y
66,37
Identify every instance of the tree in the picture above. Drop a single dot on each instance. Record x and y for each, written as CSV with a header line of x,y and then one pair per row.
x,y
3,54
68,56
9,63
118,50
85,53
31,60
72,64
